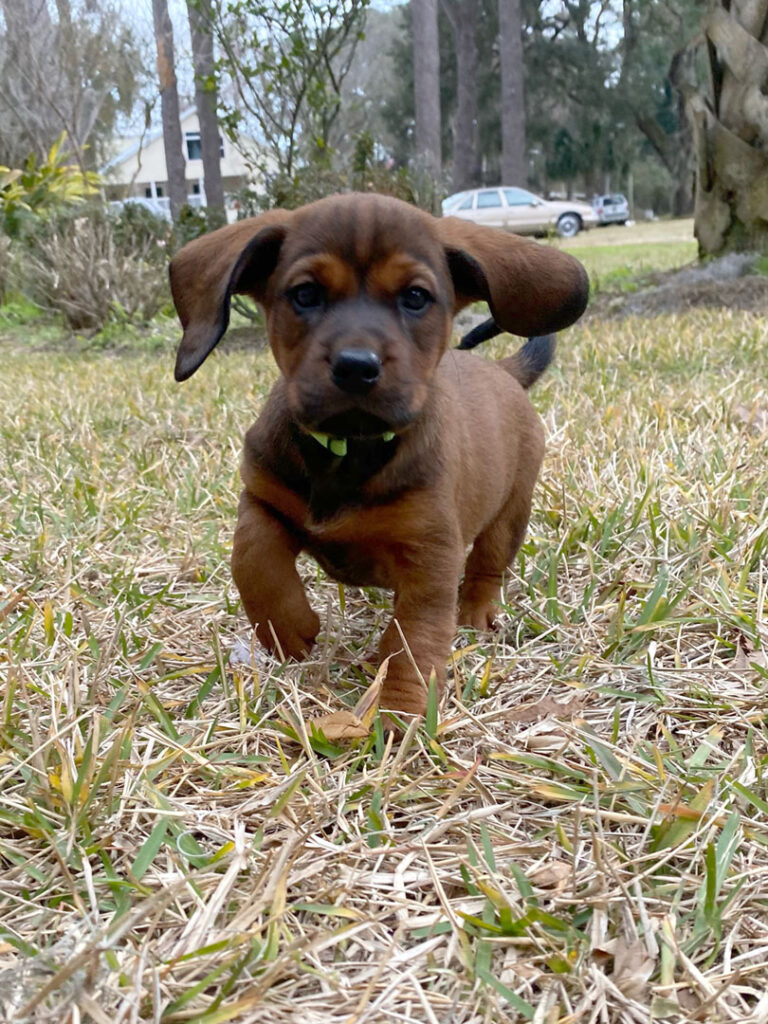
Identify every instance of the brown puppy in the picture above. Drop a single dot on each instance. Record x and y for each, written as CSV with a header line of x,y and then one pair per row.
x,y
380,453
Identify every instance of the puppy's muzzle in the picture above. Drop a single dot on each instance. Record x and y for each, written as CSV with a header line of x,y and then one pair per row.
x,y
356,370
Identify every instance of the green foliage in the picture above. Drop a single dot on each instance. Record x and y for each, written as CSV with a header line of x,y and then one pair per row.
x,y
365,171
5,265
283,65
193,222
598,101
40,190
135,227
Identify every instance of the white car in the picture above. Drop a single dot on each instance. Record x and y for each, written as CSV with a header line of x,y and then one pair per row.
x,y
611,209
518,210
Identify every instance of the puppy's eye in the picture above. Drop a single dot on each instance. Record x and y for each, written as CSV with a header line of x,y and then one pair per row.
x,y
414,299
307,297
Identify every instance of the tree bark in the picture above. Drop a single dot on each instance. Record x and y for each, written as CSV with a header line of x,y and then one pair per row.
x,y
169,105
426,83
201,31
730,129
462,15
514,163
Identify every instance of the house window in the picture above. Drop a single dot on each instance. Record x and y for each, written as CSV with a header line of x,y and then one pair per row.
x,y
148,192
194,148
196,189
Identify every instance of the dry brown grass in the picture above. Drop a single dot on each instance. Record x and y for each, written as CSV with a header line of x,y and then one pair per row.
x,y
584,837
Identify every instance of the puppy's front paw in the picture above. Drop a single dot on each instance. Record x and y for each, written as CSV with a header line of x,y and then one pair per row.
x,y
293,635
480,615
404,694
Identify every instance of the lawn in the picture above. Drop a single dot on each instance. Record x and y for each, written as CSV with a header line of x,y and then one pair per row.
x,y
583,837
614,256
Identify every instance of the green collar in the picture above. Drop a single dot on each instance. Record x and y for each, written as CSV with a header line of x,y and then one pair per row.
x,y
338,445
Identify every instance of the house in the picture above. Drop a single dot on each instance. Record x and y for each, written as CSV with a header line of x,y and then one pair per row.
x,y
137,171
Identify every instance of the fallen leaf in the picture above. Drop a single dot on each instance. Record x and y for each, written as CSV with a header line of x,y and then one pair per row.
x,y
632,967
746,656
340,725
550,876
544,708
754,417
356,724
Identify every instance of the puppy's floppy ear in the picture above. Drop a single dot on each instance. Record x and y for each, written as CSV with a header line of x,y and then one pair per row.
x,y
530,288
206,273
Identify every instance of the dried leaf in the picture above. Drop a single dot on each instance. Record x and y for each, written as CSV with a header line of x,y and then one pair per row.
x,y
354,725
365,708
341,725
551,876
632,967
546,707
753,417
746,656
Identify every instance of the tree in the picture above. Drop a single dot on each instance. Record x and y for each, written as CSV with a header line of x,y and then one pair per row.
x,y
70,68
570,67
462,15
730,125
169,107
206,101
426,85
514,164
655,59
284,63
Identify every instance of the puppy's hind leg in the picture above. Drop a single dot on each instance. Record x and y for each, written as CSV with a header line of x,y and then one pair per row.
x,y
264,569
493,551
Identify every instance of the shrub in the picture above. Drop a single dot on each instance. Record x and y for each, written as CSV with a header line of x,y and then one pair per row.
x,y
137,229
5,265
193,222
322,176
40,190
86,269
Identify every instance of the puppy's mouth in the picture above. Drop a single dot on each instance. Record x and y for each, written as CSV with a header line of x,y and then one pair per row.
x,y
355,423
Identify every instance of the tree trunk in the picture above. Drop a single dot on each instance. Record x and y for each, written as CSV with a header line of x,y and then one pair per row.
x,y
514,165
730,128
201,30
426,83
462,15
169,104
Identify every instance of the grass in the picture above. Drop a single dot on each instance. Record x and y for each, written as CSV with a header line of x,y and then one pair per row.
x,y
582,837
615,256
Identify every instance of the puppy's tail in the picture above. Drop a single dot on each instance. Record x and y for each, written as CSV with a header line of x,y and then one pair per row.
x,y
528,363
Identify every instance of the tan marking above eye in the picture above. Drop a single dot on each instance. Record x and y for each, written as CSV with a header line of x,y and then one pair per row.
x,y
389,276
331,272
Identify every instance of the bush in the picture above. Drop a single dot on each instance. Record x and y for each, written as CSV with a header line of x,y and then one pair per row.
x,y
92,270
319,177
194,221
137,229
41,190
5,266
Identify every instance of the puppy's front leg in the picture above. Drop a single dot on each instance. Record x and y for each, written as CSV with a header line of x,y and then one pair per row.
x,y
264,569
425,609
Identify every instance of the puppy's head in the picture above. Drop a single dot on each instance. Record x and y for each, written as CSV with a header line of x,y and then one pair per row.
x,y
359,293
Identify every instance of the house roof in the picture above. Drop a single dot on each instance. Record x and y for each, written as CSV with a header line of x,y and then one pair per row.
x,y
141,143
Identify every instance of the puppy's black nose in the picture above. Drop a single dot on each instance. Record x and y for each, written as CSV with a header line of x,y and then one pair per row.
x,y
356,370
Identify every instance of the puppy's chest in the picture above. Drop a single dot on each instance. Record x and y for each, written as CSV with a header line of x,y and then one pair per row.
x,y
356,564
346,533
